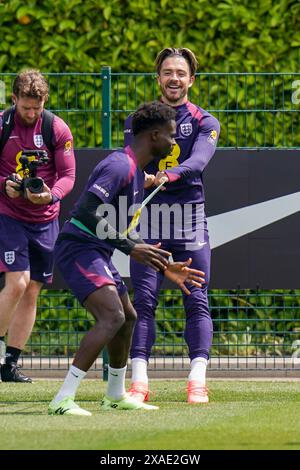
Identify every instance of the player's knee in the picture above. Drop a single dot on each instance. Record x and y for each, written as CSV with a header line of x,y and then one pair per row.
x,y
130,314
17,286
115,319
145,308
32,291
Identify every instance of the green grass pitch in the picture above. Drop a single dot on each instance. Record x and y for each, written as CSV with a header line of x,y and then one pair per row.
x,y
240,415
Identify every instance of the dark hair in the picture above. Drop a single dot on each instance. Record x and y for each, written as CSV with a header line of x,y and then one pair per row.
x,y
31,84
149,115
184,52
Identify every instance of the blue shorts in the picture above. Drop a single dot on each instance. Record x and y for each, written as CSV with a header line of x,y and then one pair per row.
x,y
28,247
86,268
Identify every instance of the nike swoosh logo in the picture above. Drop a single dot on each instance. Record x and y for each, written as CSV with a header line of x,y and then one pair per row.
x,y
229,226
47,274
8,120
135,193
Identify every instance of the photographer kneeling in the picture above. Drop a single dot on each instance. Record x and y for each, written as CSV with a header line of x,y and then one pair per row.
x,y
28,220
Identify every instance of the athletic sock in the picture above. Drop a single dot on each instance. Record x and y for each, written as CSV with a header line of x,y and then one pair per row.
x,y
116,382
139,370
2,349
12,354
198,369
71,383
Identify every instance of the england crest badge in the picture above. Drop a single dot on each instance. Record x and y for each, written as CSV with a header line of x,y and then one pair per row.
x,y
186,129
9,257
38,140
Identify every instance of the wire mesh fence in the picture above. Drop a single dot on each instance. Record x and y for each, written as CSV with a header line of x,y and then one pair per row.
x,y
75,97
252,330
256,110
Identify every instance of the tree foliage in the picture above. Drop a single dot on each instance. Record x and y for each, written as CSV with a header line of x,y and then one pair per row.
x,y
228,36
71,35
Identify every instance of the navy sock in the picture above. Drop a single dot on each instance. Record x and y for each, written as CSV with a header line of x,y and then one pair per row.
x,y
12,355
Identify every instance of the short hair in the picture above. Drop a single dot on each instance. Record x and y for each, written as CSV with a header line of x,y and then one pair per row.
x,y
32,84
149,115
184,52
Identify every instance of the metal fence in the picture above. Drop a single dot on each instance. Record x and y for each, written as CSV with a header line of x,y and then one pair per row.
x,y
256,110
254,331
75,97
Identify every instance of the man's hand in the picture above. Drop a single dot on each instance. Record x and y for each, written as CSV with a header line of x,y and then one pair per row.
x,y
148,181
151,255
12,188
40,198
180,273
161,177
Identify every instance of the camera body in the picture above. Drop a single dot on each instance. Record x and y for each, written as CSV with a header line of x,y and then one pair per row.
x,y
29,167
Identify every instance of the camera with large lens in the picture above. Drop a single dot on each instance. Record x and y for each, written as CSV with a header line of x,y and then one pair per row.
x,y
30,161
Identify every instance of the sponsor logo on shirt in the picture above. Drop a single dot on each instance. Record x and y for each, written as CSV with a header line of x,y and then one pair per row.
x,y
186,129
171,160
127,131
38,140
102,190
68,146
212,138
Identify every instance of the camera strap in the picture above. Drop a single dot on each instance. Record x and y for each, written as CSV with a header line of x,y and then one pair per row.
x,y
8,125
47,129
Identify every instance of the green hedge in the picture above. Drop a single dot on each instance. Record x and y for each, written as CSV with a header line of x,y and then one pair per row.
x,y
229,36
71,35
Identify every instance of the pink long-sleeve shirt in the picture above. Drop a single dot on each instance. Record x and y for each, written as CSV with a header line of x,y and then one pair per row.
x,y
58,174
